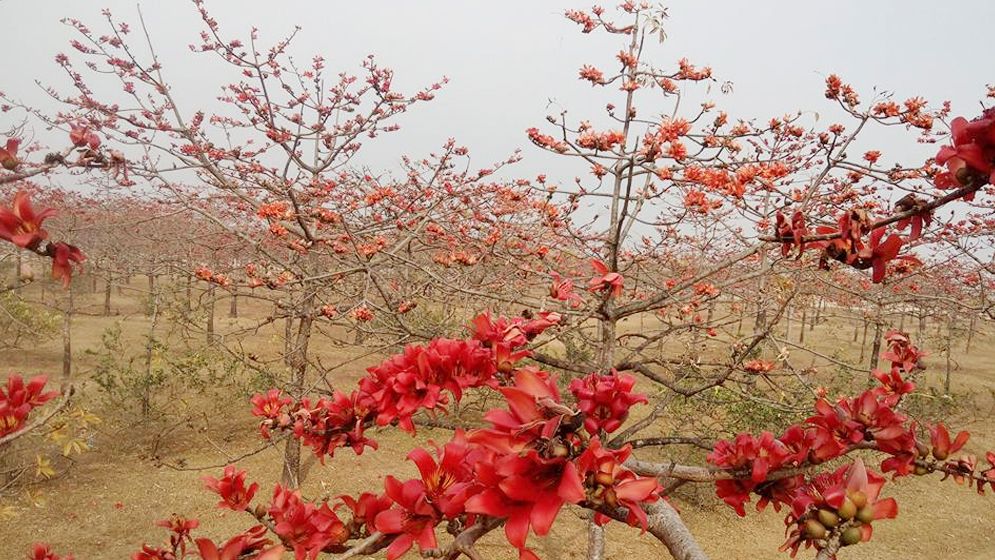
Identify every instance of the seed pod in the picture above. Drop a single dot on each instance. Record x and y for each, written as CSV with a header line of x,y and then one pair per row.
x,y
850,536
865,514
828,518
815,530
921,470
848,509
940,454
859,499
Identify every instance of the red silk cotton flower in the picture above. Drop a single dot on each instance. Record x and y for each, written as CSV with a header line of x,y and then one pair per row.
x,y
971,160
21,224
232,489
605,400
608,281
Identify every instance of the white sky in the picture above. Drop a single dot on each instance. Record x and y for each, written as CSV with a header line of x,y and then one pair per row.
x,y
507,60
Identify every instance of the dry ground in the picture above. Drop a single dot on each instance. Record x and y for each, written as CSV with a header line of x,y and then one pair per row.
x,y
106,504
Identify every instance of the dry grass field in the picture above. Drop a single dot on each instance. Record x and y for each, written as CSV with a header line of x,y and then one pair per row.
x,y
105,504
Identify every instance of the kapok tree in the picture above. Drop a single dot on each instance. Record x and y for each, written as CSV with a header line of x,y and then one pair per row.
x,y
324,242
687,180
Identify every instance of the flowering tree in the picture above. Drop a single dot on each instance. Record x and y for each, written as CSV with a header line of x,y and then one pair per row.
x,y
693,212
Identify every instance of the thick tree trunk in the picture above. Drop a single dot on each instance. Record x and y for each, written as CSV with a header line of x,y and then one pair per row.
x,y
298,365
233,307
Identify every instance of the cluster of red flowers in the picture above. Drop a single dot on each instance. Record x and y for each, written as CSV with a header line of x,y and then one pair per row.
x,y
22,225
535,458
843,503
605,400
849,246
421,378
971,160
18,399
600,141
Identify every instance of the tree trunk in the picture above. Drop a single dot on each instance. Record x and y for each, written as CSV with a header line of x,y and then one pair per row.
x,y
210,314
107,294
787,323
922,325
801,331
876,344
148,388
67,341
18,269
233,308
148,309
298,365
946,377
863,341
189,290
970,334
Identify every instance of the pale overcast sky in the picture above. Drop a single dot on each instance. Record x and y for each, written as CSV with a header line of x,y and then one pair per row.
x,y
507,60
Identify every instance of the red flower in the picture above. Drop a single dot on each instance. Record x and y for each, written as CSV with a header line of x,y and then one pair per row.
x,y
249,545
528,491
893,387
64,256
851,492
180,526
791,233
834,431
305,526
413,520
365,509
270,406
942,446
18,400
610,282
758,456
562,289
534,412
878,253
42,551
758,367
449,482
231,487
901,352
415,379
971,160
610,485
81,136
21,225
335,422
8,154
605,400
